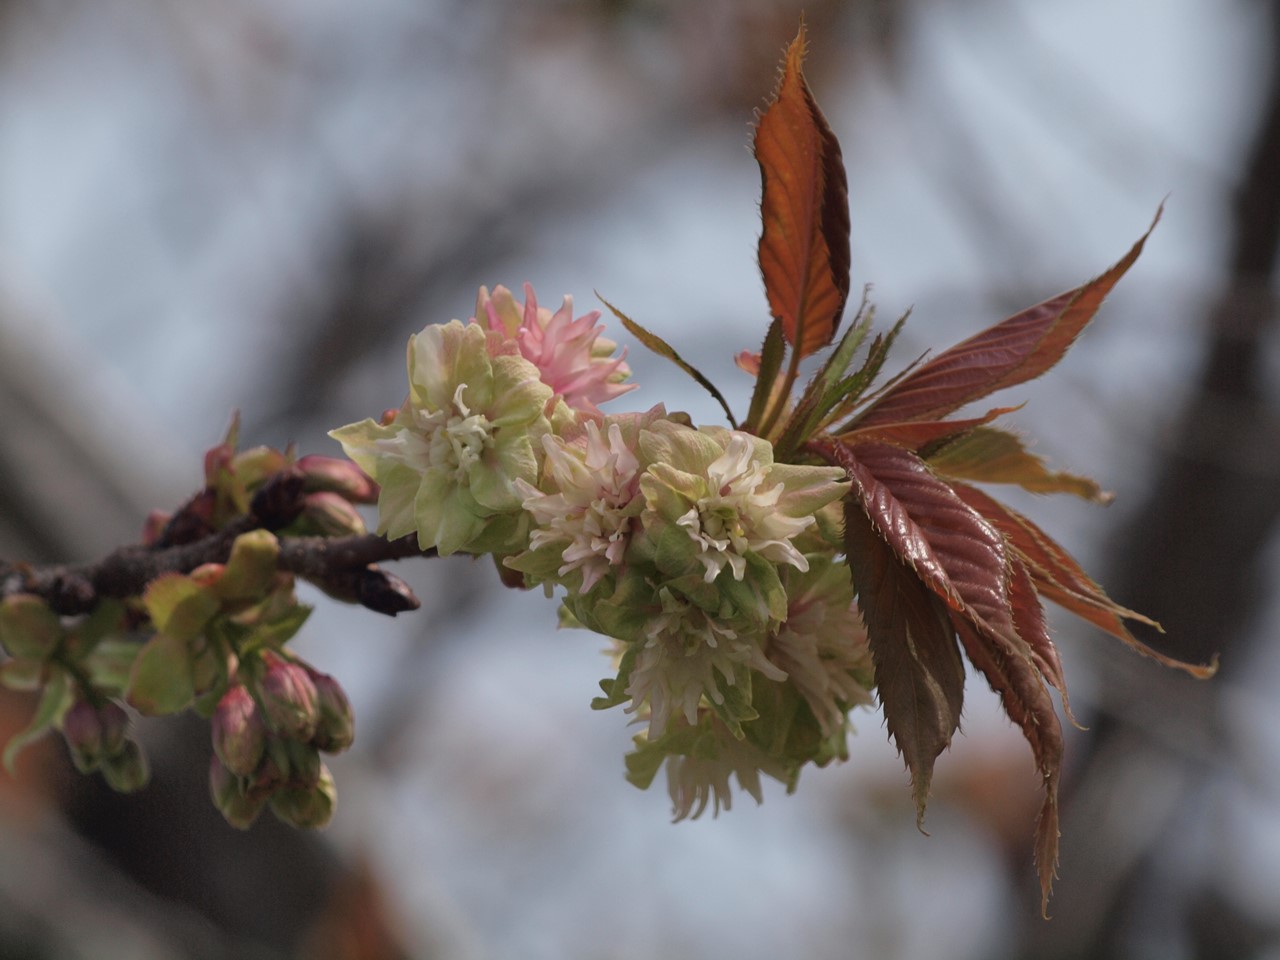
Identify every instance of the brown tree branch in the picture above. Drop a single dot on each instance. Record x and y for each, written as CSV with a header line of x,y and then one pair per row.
x,y
343,567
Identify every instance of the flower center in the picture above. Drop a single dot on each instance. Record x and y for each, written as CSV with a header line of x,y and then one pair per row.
x,y
458,437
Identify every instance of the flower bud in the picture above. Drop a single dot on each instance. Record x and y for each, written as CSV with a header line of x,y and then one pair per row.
x,y
287,763
237,807
127,771
304,764
288,698
310,808
330,515
29,630
239,736
338,476
335,730
82,730
115,728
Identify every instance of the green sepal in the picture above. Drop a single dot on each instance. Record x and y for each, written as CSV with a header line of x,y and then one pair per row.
x,y
646,760
178,606
56,699
161,680
24,676
759,595
276,631
105,621
29,630
615,689
110,665
251,567
736,707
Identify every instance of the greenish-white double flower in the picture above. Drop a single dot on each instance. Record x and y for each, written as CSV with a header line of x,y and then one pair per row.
x,y
449,459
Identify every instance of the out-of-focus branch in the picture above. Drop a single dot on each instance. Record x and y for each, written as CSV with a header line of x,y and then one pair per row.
x,y
343,567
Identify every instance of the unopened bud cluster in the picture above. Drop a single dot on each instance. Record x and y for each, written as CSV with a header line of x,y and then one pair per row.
x,y
212,640
713,567
269,729
53,654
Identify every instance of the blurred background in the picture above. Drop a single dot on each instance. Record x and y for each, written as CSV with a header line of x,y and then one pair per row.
x,y
251,205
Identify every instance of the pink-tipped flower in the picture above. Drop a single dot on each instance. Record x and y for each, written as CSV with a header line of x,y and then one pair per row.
x,y
288,699
571,356
239,735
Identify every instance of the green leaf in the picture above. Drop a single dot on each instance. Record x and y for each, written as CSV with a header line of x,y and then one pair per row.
x,y
664,349
54,702
160,682
830,389
178,606
766,377
851,388
991,455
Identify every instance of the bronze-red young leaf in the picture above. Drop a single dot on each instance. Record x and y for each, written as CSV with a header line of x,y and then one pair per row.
x,y
918,670
951,548
1011,352
804,243
1058,577
914,434
1015,677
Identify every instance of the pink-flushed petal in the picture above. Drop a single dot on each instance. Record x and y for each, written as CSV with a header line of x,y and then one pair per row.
x,y
571,356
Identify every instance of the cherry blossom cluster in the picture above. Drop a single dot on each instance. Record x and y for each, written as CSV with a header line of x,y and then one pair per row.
x,y
712,568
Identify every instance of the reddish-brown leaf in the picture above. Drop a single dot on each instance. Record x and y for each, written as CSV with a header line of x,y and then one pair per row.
x,y
919,673
1028,619
991,455
804,244
948,545
1058,577
915,434
1011,352
1014,676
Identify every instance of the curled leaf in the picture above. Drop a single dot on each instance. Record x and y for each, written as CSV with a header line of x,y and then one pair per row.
x,y
664,349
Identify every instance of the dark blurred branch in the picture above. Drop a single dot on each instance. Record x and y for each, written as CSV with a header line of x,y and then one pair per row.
x,y
1193,558
343,567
